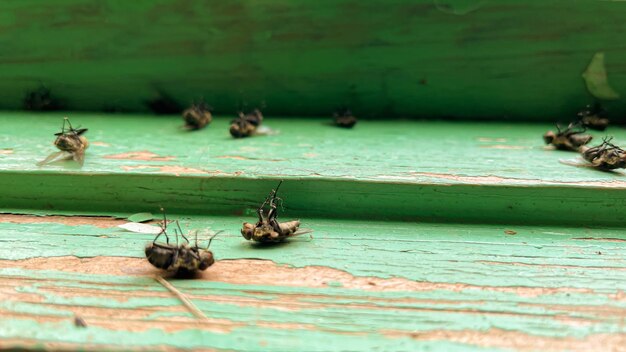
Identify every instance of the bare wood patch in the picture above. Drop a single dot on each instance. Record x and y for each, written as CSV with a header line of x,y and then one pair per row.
x,y
240,157
265,272
234,157
518,341
90,312
604,239
180,170
504,146
552,266
487,139
143,155
495,180
98,221
38,345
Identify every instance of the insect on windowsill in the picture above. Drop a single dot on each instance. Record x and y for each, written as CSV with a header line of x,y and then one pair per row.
x,y
571,138
344,118
180,258
594,117
41,99
197,116
70,142
163,104
606,156
268,229
246,125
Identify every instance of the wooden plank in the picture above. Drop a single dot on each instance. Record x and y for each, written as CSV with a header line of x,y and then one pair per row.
x,y
426,171
355,285
478,59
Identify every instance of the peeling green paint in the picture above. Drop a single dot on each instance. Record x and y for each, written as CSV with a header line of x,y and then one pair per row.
x,y
468,180
249,338
547,282
141,217
337,312
551,256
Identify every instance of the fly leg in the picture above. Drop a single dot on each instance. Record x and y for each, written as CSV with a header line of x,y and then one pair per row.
x,y
181,233
167,239
271,217
260,210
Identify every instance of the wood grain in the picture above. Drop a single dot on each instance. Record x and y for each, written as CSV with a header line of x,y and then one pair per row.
x,y
355,285
415,171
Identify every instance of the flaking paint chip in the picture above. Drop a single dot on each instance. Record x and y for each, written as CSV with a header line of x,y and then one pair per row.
x,y
141,217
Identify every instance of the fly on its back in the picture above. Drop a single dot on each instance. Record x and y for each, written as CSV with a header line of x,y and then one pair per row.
x,y
246,125
594,117
268,229
606,156
571,138
70,142
197,116
344,118
179,258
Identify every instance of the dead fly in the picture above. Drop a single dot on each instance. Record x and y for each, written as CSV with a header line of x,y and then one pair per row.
x,y
41,100
571,138
69,141
606,156
197,116
163,104
344,118
268,229
246,124
179,258
594,117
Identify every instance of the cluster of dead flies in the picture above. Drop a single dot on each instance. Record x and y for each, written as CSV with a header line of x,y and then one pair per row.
x,y
72,144
183,258
606,156
198,116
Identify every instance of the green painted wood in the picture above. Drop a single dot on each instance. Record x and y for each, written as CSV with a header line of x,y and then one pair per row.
x,y
427,58
546,286
424,171
553,256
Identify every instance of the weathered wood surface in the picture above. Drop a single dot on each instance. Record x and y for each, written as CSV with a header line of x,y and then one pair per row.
x,y
354,286
444,58
426,171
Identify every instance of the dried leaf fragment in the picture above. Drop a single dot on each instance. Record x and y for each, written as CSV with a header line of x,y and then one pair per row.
x,y
595,77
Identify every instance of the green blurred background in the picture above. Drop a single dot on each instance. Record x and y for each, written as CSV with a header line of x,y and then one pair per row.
x,y
465,59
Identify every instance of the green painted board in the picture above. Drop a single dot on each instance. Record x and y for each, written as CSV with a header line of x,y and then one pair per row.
x,y
355,285
429,58
401,170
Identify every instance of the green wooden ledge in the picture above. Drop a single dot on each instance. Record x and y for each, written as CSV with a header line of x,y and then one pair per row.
x,y
393,262
352,286
415,171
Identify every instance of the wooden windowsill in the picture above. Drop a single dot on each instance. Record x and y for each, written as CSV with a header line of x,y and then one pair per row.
x,y
440,235
398,170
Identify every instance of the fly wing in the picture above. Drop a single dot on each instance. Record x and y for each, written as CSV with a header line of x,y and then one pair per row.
x,y
141,228
579,162
265,131
50,158
79,156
